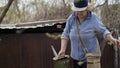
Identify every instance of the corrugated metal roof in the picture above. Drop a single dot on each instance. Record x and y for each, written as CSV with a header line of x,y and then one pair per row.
x,y
32,24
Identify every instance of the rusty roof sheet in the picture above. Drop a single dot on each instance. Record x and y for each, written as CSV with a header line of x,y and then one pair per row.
x,y
34,24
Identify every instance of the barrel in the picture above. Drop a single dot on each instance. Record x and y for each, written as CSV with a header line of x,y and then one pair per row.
x,y
63,62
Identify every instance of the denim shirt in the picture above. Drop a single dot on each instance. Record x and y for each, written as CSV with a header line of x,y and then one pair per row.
x,y
91,23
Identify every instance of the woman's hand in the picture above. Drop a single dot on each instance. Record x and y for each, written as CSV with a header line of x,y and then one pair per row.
x,y
61,53
116,42
113,40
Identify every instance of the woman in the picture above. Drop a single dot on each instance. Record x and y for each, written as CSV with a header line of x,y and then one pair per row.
x,y
88,22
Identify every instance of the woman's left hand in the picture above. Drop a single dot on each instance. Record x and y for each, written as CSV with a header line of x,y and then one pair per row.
x,y
116,42
113,40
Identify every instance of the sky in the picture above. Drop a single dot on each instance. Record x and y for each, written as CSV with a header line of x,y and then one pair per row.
x,y
3,2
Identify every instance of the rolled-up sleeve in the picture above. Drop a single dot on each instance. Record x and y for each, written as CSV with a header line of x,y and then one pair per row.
x,y
101,29
105,33
66,31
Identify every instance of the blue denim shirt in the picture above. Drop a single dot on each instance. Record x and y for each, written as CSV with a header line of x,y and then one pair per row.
x,y
91,23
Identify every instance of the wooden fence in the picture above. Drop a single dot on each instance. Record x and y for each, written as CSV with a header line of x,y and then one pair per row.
x,y
34,51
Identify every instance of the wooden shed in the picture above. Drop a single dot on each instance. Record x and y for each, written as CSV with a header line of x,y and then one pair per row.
x,y
29,45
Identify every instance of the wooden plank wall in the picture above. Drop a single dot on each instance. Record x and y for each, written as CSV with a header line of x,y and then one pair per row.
x,y
27,51
34,51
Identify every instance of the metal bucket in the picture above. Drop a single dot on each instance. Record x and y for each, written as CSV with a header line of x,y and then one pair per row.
x,y
93,60
63,62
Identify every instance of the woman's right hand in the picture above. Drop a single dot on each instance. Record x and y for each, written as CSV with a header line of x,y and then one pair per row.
x,y
61,53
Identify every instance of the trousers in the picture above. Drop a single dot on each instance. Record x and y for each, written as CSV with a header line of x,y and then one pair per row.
x,y
75,64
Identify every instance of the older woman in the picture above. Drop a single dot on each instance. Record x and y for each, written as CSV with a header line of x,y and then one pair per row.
x,y
88,22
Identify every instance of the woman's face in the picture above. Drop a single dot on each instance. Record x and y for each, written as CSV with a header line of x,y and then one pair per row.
x,y
82,14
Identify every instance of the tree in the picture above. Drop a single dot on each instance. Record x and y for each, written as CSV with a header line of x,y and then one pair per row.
x,y
5,10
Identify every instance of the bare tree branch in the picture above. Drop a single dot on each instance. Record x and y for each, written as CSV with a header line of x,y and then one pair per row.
x,y
3,13
64,3
106,1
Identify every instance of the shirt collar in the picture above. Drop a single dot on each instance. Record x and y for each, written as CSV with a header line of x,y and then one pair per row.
x,y
89,15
